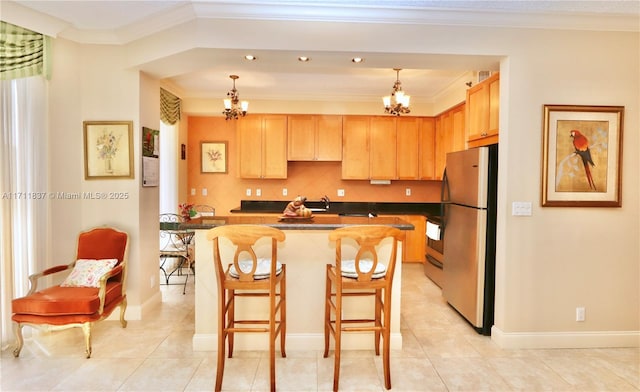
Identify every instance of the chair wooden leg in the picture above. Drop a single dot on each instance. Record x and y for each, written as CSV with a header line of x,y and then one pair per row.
x,y
221,340
338,340
272,340
123,309
86,329
283,311
327,313
19,339
386,339
378,319
231,319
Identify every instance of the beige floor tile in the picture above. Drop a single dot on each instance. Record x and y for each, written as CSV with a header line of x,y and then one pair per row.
x,y
441,352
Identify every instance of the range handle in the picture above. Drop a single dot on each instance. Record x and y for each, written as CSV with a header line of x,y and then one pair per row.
x,y
435,262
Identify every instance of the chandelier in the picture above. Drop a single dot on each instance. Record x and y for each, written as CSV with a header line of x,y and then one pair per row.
x,y
233,108
400,104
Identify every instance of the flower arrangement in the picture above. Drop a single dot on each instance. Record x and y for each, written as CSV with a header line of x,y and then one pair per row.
x,y
187,211
107,145
214,156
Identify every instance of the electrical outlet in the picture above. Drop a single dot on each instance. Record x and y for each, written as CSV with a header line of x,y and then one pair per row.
x,y
284,191
248,193
204,191
193,191
340,192
258,192
407,192
580,313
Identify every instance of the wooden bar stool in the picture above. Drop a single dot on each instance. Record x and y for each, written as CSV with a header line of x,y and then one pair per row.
x,y
363,275
249,276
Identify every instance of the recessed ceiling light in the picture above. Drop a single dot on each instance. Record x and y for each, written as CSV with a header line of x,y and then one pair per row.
x,y
250,57
357,60
304,59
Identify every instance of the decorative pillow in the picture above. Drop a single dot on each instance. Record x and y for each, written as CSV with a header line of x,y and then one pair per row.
x,y
87,272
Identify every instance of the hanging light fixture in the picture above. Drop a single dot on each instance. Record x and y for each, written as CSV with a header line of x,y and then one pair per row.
x,y
400,103
233,108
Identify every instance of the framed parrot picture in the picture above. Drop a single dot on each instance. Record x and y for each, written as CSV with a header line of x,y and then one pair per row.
x,y
581,156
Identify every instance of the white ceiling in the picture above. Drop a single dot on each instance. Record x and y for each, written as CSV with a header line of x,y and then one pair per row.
x,y
204,73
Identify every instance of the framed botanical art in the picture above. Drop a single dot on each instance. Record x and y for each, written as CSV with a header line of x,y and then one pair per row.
x,y
582,156
108,149
213,157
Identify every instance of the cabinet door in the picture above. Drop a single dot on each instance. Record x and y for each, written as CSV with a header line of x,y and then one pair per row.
x,y
427,157
414,246
382,147
274,146
328,138
301,137
440,148
355,148
408,148
250,147
483,110
458,134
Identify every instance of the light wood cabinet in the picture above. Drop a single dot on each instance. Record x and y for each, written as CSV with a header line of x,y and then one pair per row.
x,y
483,112
427,142
355,148
368,148
450,136
382,148
262,146
314,138
415,148
408,140
413,250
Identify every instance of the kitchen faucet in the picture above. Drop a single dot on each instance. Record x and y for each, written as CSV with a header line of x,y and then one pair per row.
x,y
326,201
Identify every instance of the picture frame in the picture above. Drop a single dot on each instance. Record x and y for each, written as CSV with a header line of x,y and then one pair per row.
x,y
108,149
582,156
213,157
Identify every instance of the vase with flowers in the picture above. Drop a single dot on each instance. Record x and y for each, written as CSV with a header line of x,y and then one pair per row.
x,y
187,211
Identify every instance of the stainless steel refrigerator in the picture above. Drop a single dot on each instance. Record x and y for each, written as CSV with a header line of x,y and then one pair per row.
x,y
469,193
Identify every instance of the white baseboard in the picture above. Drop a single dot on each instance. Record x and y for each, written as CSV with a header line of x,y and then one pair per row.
x,y
598,339
136,312
295,342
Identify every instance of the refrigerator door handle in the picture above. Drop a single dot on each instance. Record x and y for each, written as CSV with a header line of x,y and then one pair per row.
x,y
445,198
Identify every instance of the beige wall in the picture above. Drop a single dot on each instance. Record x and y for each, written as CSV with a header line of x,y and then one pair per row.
x,y
547,264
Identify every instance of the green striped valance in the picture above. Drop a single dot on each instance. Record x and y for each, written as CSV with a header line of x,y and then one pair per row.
x,y
23,52
169,107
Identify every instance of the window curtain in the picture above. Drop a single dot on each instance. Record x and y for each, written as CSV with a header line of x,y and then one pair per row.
x,y
24,213
170,107
23,53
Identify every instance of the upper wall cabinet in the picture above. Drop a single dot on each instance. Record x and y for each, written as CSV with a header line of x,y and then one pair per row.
x,y
314,138
262,146
368,148
415,148
483,110
449,136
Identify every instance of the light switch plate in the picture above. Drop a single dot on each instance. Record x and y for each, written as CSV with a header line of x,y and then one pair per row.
x,y
193,191
341,192
284,191
258,192
248,192
521,208
204,191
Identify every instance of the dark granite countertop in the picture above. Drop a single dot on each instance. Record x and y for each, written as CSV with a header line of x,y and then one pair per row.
x,y
378,208
324,222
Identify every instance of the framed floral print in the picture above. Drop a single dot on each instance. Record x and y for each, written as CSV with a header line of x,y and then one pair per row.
x,y
213,157
582,156
108,149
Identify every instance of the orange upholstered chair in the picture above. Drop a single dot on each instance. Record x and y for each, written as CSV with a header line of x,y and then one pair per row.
x,y
93,288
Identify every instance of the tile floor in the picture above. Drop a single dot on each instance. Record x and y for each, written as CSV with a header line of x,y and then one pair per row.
x,y
440,353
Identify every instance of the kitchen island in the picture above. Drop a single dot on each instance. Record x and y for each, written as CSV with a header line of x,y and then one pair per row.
x,y
306,251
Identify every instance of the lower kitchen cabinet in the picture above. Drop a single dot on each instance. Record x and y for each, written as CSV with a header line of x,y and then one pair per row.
x,y
414,245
